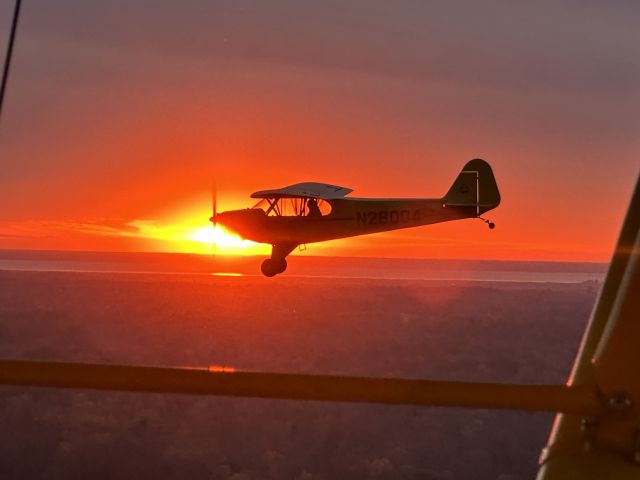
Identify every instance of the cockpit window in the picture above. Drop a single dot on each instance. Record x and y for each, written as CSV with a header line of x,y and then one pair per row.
x,y
294,207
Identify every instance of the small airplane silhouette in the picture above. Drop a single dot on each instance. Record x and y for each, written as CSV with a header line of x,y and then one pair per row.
x,y
315,212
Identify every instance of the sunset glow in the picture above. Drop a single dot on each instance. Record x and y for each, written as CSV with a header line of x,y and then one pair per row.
x,y
184,227
190,237
216,235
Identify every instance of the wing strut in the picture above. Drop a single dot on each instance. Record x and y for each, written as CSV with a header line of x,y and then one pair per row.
x,y
202,381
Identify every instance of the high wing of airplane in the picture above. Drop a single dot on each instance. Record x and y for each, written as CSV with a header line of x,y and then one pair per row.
x,y
315,212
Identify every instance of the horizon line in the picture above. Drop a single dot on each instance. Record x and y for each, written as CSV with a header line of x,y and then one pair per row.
x,y
309,256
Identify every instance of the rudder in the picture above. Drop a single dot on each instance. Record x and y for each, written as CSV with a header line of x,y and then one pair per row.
x,y
475,186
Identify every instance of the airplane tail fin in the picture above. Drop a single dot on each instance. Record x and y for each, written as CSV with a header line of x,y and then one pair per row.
x,y
475,186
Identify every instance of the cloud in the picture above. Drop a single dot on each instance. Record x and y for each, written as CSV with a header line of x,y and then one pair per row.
x,y
57,228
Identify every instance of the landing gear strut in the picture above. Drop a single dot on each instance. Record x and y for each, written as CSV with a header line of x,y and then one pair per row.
x,y
489,223
273,266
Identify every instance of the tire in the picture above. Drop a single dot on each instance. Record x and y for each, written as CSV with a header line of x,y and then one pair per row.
x,y
269,268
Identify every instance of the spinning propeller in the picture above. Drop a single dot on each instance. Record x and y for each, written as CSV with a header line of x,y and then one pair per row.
x,y
214,215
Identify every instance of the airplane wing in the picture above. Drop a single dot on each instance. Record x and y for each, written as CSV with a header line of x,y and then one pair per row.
x,y
324,191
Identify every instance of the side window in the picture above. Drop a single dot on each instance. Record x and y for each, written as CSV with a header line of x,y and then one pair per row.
x,y
294,207
316,207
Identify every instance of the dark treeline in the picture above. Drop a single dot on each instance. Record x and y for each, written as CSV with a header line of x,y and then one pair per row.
x,y
484,332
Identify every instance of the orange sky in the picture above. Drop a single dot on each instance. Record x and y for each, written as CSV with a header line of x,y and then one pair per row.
x,y
114,123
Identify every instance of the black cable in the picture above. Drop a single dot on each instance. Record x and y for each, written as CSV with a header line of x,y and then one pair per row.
x,y
7,60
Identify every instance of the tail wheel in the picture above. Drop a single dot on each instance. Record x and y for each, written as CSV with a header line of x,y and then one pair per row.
x,y
489,223
271,267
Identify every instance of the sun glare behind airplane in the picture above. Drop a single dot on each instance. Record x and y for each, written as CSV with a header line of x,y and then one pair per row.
x,y
224,242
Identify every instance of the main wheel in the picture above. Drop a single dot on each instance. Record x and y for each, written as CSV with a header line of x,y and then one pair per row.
x,y
271,267
492,225
268,268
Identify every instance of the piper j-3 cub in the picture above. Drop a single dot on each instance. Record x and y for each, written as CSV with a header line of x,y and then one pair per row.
x,y
314,212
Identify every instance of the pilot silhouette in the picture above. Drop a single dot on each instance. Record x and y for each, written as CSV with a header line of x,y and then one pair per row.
x,y
313,210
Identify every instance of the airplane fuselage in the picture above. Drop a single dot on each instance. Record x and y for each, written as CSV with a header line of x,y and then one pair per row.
x,y
349,217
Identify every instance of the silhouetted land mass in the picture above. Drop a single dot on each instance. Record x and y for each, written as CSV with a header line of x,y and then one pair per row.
x,y
508,332
302,265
